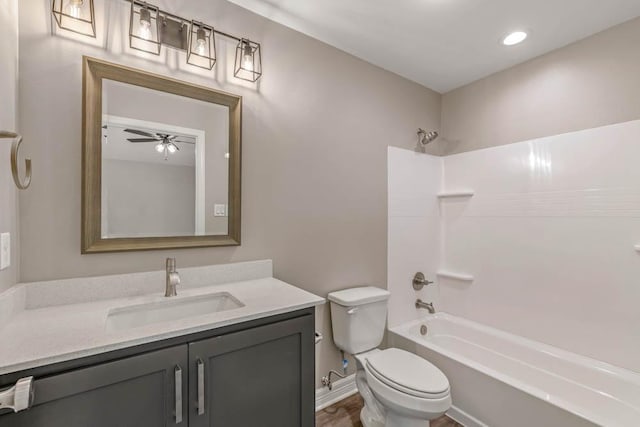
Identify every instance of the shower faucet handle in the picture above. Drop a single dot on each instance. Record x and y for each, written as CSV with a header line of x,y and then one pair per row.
x,y
419,281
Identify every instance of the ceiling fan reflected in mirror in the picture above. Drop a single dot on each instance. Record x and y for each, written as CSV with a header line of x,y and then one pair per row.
x,y
165,143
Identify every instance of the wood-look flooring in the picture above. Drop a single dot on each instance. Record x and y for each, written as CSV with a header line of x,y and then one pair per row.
x,y
346,413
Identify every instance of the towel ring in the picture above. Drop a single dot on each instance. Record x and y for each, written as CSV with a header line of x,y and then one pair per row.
x,y
15,147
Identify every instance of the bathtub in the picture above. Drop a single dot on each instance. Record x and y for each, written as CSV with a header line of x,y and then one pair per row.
x,y
503,380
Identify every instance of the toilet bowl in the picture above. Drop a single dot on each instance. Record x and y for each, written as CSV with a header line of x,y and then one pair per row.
x,y
409,388
400,389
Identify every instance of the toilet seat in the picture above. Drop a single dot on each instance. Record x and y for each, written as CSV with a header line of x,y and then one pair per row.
x,y
408,373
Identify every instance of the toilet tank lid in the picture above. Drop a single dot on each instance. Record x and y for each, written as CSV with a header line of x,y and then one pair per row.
x,y
358,296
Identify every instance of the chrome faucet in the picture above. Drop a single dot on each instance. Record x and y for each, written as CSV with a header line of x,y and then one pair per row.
x,y
173,278
427,305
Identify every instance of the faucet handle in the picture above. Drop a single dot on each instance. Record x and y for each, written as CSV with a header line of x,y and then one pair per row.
x,y
419,281
171,264
174,278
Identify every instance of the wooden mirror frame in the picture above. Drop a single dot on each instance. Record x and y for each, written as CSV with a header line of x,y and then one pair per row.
x,y
94,71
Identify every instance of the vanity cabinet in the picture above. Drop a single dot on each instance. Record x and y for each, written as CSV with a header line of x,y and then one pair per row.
x,y
256,374
258,377
135,391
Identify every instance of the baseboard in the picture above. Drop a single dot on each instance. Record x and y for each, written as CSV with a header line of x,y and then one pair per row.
x,y
342,389
463,418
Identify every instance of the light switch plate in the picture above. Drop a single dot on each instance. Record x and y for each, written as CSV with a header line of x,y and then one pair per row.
x,y
5,250
219,210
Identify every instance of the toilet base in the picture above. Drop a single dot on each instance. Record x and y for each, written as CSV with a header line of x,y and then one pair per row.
x,y
369,421
397,420
391,420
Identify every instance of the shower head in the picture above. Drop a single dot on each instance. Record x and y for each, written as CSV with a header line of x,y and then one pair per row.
x,y
426,137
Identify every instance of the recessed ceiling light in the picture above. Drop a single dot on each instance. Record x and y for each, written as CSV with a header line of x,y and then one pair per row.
x,y
514,38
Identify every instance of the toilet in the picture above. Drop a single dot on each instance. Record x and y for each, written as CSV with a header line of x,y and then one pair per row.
x,y
400,389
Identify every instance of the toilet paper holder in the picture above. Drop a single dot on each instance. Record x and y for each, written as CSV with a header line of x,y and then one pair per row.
x,y
19,397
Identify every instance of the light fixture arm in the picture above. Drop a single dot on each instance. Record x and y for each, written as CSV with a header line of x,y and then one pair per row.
x,y
170,30
166,14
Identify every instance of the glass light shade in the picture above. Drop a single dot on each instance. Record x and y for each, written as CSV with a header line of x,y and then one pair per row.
x,y
248,63
160,147
143,28
202,46
77,16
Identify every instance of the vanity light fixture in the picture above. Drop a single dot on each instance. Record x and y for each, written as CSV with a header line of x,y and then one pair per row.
x,y
77,16
151,28
202,46
143,28
248,63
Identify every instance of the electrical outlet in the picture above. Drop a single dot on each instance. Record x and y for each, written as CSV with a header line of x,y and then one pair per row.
x,y
5,250
219,210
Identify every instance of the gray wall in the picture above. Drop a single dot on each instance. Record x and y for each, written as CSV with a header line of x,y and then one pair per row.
x,y
591,83
148,199
315,135
8,96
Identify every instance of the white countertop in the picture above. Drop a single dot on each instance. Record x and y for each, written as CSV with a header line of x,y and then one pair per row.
x,y
42,335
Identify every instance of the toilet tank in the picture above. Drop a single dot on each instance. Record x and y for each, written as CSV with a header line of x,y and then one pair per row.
x,y
358,318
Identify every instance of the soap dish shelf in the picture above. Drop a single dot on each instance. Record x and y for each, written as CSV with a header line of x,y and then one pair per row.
x,y
455,276
452,194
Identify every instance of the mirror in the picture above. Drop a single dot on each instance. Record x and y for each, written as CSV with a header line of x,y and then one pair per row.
x,y
161,162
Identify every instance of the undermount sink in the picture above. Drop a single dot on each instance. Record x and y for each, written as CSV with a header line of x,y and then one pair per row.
x,y
174,308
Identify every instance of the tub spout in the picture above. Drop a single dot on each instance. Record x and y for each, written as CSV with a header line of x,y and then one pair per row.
x,y
427,305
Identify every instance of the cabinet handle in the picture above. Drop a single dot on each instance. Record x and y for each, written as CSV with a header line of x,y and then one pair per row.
x,y
200,387
178,376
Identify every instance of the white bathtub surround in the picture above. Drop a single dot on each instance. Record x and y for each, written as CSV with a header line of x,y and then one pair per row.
x,y
414,180
548,237
545,249
62,320
499,377
458,193
455,276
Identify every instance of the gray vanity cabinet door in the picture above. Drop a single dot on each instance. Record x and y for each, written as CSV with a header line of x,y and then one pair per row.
x,y
136,391
261,377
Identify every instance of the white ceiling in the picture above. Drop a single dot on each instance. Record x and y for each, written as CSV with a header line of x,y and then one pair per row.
x,y
445,44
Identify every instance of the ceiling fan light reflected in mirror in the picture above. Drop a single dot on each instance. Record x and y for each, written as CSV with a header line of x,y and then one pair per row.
x,y
165,143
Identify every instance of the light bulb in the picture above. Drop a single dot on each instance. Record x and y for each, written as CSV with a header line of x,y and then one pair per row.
x,y
247,57
201,42
74,8
514,38
160,147
172,148
145,24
